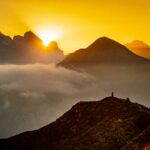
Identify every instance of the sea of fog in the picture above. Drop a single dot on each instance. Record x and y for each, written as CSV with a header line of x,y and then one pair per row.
x,y
32,96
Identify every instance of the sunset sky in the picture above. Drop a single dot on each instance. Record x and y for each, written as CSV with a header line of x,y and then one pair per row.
x,y
38,83
78,22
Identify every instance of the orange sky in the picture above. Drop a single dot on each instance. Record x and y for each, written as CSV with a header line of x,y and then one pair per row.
x,y
80,22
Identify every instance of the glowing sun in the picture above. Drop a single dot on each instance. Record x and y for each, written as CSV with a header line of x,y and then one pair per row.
x,y
47,35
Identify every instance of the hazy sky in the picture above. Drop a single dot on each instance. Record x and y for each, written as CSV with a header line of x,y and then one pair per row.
x,y
79,22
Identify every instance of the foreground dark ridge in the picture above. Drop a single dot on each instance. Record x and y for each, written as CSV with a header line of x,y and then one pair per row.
x,y
111,123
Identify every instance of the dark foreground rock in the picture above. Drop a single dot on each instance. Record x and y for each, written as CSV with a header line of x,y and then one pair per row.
x,y
109,124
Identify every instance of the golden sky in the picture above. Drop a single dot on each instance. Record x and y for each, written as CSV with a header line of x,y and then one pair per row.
x,y
79,22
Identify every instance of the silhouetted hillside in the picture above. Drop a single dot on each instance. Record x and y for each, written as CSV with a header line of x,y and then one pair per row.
x,y
103,51
111,123
142,141
139,47
28,49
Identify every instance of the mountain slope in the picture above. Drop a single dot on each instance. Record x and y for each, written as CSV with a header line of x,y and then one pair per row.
x,y
103,51
142,141
107,124
28,49
139,47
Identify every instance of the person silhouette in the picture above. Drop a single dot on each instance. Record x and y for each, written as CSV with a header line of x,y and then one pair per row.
x,y
128,99
112,94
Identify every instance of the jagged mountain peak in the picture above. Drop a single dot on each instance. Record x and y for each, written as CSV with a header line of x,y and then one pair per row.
x,y
53,45
29,33
1,34
31,36
28,48
5,39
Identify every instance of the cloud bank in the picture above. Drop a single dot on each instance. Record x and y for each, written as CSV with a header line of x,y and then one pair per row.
x,y
32,96
30,93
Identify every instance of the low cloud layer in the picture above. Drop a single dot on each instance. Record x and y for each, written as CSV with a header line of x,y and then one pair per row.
x,y
32,96
38,79
32,92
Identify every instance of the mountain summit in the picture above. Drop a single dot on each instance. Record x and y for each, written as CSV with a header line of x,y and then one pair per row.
x,y
103,51
105,43
139,47
30,36
111,123
53,46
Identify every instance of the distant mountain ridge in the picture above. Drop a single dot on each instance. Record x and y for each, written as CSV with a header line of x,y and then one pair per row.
x,y
28,49
111,123
139,47
103,51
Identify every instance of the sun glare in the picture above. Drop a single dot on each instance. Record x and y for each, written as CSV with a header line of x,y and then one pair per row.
x,y
47,35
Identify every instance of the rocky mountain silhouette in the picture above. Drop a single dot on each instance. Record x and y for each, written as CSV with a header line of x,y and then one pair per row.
x,y
28,49
139,47
103,51
111,123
